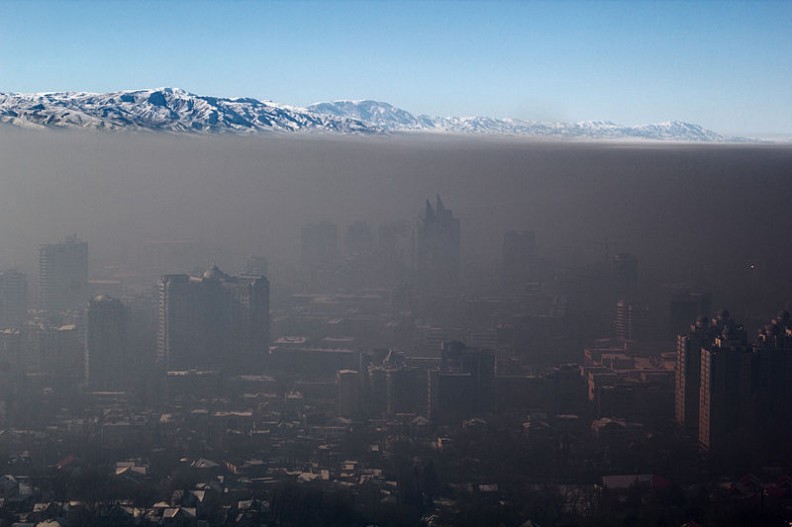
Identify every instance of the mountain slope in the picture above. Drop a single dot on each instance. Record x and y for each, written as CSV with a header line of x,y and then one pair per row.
x,y
166,109
389,118
175,110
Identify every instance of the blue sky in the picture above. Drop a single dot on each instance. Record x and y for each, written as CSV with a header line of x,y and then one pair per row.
x,y
724,65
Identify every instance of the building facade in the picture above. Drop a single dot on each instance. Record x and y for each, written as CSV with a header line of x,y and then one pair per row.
x,y
213,321
108,362
13,299
63,274
437,248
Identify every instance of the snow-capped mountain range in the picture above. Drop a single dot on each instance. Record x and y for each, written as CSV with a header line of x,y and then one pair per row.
x,y
175,110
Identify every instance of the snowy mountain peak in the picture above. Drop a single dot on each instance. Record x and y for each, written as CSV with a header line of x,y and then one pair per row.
x,y
384,115
176,110
164,109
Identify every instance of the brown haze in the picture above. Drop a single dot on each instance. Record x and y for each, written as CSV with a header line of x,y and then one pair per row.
x,y
687,212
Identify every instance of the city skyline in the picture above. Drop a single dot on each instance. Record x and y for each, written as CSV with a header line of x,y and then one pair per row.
x,y
402,380
724,66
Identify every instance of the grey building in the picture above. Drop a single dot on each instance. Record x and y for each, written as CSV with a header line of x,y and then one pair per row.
x,y
437,248
63,274
13,299
213,321
107,359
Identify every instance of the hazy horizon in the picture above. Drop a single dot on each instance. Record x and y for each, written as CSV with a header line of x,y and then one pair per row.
x,y
674,206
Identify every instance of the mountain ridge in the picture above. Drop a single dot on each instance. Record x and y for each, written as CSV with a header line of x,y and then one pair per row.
x,y
178,111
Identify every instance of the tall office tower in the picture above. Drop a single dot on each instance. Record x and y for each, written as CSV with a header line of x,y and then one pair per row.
x,y
634,322
727,395
213,321
685,306
400,387
319,245
774,355
401,390
108,364
688,372
519,252
58,353
479,363
13,299
464,385
624,320
63,274
375,400
12,370
437,248
11,359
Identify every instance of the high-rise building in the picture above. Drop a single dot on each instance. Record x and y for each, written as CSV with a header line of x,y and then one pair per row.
x,y
13,299
107,358
685,306
464,385
11,359
11,371
437,248
687,394
401,390
58,352
634,322
63,274
688,382
624,320
774,378
213,321
735,396
727,403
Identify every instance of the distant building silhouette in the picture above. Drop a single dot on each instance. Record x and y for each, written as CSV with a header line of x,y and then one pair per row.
x,y
58,352
107,357
685,306
634,322
774,379
726,403
401,390
13,299
393,387
464,385
213,321
63,274
437,247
